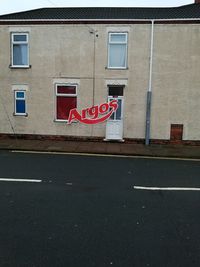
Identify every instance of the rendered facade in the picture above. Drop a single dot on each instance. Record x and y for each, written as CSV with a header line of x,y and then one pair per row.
x,y
146,59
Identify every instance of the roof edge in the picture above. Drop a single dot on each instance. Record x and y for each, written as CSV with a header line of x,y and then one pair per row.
x,y
79,20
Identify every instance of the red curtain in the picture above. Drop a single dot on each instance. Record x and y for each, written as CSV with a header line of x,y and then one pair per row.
x,y
64,105
66,89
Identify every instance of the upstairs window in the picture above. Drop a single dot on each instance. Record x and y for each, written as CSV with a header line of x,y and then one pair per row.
x,y
20,50
117,50
20,103
66,99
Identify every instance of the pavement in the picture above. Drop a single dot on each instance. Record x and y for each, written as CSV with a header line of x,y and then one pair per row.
x,y
111,148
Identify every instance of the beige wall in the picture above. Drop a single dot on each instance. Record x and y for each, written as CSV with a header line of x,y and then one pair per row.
x,y
65,53
176,80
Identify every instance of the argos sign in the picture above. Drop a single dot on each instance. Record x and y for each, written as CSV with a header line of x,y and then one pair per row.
x,y
93,115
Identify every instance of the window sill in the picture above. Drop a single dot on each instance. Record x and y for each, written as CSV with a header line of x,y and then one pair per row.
x,y
20,67
113,68
64,121
20,114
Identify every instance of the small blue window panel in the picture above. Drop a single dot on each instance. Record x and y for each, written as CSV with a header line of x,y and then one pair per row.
x,y
20,103
20,107
19,94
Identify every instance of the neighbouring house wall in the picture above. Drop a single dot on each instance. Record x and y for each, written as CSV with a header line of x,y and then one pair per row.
x,y
65,53
176,80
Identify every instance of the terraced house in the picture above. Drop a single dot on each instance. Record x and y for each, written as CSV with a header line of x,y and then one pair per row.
x,y
54,60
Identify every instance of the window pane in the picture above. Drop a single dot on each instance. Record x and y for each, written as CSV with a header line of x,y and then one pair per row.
x,y
117,55
20,94
66,89
64,105
20,54
115,91
118,37
112,116
18,38
20,106
119,110
117,115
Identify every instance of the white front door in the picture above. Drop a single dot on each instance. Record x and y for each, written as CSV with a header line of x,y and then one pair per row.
x,y
114,126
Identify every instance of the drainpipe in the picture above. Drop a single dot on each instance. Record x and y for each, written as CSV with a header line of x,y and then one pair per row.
x,y
95,34
149,92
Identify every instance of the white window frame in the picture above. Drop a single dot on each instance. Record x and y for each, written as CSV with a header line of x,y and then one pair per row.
x,y
19,42
65,95
124,43
15,104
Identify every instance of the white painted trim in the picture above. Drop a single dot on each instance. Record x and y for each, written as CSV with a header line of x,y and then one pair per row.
x,y
20,180
115,43
116,82
15,99
167,188
117,68
20,66
20,87
68,95
69,81
119,122
19,42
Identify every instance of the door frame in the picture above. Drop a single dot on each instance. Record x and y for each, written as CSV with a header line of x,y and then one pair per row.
x,y
115,121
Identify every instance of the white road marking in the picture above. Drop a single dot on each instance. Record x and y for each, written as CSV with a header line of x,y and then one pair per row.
x,y
20,180
166,188
103,155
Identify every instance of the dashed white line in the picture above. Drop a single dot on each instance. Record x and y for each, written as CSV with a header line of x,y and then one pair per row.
x,y
20,180
166,188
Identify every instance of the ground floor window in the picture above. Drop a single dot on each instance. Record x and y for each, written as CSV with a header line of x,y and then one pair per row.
x,y
20,103
66,99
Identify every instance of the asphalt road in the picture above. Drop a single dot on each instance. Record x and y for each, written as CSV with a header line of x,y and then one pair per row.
x,y
85,212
